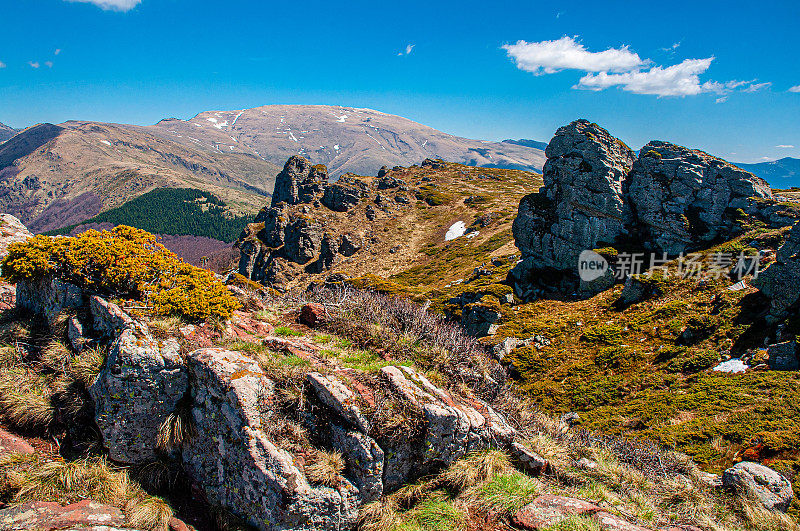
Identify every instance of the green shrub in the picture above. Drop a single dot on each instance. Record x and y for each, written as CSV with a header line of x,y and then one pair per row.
x,y
123,262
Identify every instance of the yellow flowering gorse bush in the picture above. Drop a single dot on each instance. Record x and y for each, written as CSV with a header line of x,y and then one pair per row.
x,y
123,262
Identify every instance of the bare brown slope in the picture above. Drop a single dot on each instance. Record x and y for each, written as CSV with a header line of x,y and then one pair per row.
x,y
54,176
345,139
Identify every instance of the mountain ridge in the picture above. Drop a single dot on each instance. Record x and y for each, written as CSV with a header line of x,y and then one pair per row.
x,y
781,173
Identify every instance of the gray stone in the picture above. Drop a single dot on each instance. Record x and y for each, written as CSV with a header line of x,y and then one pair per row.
x,y
299,182
11,231
770,488
235,462
76,334
107,318
780,282
48,297
341,196
582,204
681,196
139,386
364,461
334,394
783,356
506,347
349,245
478,320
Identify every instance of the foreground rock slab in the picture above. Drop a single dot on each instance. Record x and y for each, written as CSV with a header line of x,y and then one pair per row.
x,y
47,516
237,464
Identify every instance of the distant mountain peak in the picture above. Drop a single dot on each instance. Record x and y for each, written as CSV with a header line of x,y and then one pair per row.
x,y
6,132
781,173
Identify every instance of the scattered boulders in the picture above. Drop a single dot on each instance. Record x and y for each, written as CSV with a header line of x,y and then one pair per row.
x,y
770,488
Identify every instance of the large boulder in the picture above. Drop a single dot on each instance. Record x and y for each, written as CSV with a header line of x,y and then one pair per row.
x,y
140,385
582,205
47,516
299,182
48,297
235,462
770,488
780,282
341,196
685,199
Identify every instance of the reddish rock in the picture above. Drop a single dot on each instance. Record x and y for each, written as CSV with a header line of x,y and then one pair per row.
x,y
8,296
610,522
313,315
176,524
46,516
10,443
548,510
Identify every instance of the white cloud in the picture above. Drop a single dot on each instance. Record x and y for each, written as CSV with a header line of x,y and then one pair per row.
x,y
795,88
755,87
723,99
408,50
112,5
48,64
548,57
785,146
58,51
2,64
676,80
34,64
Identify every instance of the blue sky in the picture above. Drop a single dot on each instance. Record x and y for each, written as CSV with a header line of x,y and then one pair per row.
x,y
715,75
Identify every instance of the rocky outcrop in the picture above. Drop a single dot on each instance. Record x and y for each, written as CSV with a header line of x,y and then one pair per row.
x,y
299,182
770,488
685,198
598,195
237,464
139,386
292,236
780,282
48,297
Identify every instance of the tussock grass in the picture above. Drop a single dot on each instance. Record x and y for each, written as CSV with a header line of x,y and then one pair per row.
x,y
86,366
32,478
474,469
325,468
505,493
165,326
176,429
26,401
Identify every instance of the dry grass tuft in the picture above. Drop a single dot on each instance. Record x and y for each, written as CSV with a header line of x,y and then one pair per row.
x,y
379,515
31,478
326,468
55,356
25,400
87,365
474,469
176,429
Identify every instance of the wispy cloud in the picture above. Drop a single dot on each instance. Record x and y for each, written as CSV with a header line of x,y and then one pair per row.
x,y
57,52
755,87
671,49
795,88
682,79
785,146
566,53
408,50
2,64
48,64
558,15
112,5
34,64
723,99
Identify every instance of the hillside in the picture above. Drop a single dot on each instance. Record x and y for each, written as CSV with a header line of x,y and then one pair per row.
x,y
6,132
781,173
344,139
635,361
53,176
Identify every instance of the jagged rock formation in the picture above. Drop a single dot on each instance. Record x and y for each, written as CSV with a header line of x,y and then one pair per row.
x,y
597,194
285,239
236,450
